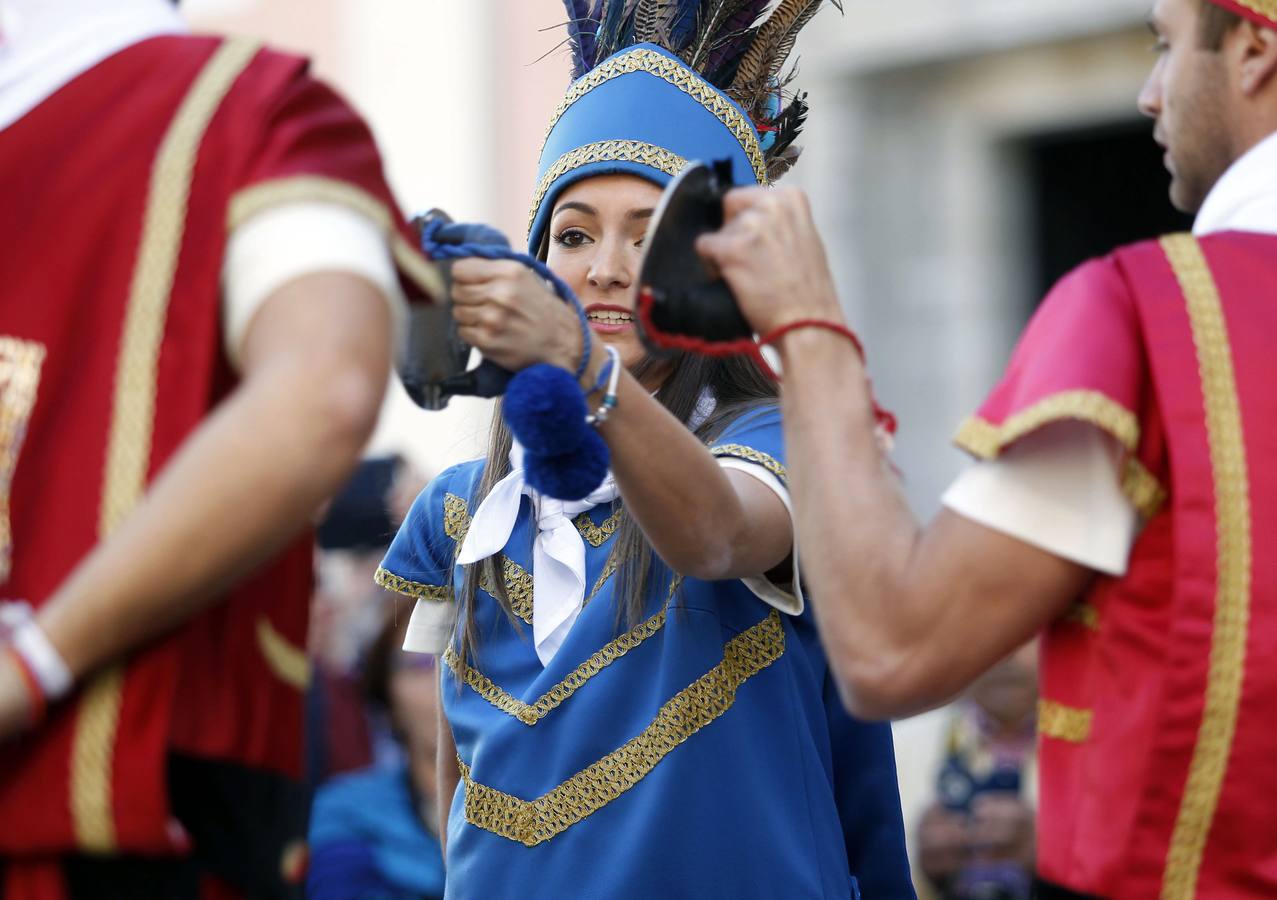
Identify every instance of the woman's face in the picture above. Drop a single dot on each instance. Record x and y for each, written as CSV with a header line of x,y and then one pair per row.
x,y
596,246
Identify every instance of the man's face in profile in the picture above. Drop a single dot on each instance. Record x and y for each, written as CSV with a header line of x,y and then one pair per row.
x,y
1187,95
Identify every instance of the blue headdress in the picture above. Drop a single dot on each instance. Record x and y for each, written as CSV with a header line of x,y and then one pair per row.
x,y
659,83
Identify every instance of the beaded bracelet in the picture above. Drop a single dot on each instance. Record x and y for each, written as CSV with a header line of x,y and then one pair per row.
x,y
599,416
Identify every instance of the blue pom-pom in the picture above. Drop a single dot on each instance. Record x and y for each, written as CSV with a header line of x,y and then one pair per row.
x,y
545,410
573,475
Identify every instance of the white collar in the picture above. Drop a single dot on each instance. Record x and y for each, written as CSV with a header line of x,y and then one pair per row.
x,y
46,43
1245,197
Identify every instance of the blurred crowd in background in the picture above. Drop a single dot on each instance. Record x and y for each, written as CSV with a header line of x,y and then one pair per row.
x,y
372,708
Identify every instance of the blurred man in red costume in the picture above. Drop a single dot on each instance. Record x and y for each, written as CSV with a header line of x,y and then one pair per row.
x,y
202,267
1125,502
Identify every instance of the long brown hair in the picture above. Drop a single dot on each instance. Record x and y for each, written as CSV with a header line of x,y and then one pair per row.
x,y
737,385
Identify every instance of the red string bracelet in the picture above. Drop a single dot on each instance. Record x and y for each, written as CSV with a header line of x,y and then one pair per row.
x,y
776,334
751,348
35,693
883,417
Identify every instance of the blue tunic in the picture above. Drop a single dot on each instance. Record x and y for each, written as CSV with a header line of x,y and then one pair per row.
x,y
702,752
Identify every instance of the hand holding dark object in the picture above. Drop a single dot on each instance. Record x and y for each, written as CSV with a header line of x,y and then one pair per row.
x,y
682,295
772,257
432,362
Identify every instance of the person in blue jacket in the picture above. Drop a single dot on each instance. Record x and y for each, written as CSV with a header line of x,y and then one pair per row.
x,y
637,702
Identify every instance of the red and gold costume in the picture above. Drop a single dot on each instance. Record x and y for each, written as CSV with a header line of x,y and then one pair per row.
x,y
1158,694
121,189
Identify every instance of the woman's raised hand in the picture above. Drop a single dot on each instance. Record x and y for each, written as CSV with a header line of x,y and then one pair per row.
x,y
510,315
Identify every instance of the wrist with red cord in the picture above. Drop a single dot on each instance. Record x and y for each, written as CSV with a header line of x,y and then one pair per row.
x,y
884,418
37,705
43,671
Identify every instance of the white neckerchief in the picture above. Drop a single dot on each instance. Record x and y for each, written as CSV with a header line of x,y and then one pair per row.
x,y
558,554
1245,197
46,43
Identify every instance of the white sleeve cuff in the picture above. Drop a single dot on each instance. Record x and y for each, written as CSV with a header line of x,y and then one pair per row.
x,y
288,241
1058,489
788,599
431,625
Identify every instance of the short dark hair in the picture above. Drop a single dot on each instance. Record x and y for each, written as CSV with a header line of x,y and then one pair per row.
x,y
1214,24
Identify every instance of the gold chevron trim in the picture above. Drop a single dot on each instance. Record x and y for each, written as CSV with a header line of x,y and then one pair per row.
x,y
532,822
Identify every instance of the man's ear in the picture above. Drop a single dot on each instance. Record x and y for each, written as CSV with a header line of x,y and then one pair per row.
x,y
1257,49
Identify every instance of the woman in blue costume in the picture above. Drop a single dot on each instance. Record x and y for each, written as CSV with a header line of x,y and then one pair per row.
x,y
636,700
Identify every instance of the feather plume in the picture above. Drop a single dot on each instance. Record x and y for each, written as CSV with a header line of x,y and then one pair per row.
x,y
789,123
778,165
582,28
731,43
710,20
683,28
770,49
652,20
616,27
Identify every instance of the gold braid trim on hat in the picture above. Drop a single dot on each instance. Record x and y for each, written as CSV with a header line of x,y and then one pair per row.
x,y
605,151
670,70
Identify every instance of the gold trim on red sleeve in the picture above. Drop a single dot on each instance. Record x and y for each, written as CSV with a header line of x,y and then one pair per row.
x,y
985,440
1233,550
133,413
319,189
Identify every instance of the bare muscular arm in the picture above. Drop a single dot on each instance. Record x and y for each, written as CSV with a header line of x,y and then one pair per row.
x,y
316,362
909,614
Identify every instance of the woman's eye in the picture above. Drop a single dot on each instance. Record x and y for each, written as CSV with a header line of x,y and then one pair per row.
x,y
1160,46
571,237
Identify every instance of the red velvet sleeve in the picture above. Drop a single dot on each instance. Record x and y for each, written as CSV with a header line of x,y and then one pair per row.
x,y
1081,357
308,144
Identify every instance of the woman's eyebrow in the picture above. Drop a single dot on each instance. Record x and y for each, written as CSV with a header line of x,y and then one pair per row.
x,y
573,204
640,213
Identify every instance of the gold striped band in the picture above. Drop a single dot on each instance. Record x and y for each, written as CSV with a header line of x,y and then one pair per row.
x,y
1233,551
128,454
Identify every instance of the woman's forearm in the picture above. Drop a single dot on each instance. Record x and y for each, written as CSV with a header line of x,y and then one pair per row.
x,y
691,510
